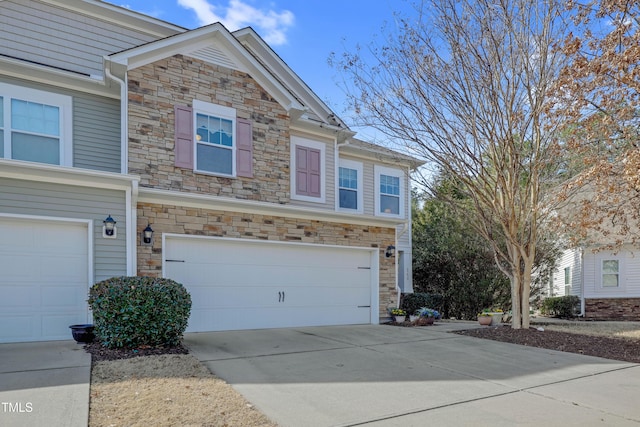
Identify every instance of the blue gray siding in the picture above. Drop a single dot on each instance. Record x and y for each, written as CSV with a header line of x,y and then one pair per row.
x,y
65,201
96,127
49,35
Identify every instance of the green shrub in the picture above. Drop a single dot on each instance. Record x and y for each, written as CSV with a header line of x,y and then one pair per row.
x,y
412,302
131,312
566,306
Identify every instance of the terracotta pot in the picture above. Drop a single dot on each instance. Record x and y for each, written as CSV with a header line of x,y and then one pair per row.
x,y
425,321
484,320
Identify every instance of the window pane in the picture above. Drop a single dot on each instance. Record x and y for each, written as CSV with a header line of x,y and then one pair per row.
x,y
610,266
567,275
1,113
348,199
202,127
390,204
226,132
214,159
390,185
348,178
34,117
610,280
35,148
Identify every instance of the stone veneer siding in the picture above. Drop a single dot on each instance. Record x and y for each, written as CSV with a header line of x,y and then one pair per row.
x,y
204,222
156,88
612,308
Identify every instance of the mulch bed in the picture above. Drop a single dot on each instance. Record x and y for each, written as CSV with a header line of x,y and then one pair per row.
x,y
100,353
624,349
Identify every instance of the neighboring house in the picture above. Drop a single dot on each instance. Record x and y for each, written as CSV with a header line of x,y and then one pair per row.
x,y
261,201
607,282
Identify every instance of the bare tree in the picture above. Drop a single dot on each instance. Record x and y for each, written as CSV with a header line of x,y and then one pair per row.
x,y
602,121
466,85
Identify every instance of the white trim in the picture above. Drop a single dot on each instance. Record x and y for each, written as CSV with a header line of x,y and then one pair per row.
x,y
316,145
358,166
62,102
374,310
59,78
41,172
89,225
217,203
399,173
217,111
601,291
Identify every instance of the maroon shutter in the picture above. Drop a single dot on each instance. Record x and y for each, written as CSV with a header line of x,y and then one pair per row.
x,y
183,136
314,173
244,148
302,173
308,173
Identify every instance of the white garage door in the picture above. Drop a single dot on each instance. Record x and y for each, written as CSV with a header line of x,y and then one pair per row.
x,y
43,279
251,285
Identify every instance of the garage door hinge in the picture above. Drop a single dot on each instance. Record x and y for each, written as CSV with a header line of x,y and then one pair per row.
x,y
364,306
364,268
173,260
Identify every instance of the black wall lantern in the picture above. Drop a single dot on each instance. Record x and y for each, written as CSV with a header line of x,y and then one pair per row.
x,y
390,250
109,229
147,235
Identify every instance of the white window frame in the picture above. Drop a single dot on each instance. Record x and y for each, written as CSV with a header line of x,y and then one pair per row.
x,y
602,273
399,173
358,167
65,107
222,112
316,145
599,285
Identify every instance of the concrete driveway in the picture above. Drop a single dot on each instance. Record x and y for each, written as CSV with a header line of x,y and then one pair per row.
x,y
378,375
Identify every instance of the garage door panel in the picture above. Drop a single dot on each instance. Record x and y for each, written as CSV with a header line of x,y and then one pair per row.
x,y
44,281
248,284
16,296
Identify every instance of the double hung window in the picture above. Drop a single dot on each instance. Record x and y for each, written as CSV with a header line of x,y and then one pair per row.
x,y
35,125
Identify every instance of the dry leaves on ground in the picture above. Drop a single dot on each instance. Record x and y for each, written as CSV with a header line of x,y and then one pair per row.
x,y
165,390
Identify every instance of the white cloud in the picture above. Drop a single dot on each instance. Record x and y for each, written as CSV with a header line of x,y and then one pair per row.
x,y
270,24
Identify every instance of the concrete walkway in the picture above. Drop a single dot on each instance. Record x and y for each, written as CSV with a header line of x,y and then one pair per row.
x,y
44,384
378,375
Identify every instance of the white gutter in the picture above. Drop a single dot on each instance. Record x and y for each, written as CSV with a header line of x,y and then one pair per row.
x,y
132,193
124,145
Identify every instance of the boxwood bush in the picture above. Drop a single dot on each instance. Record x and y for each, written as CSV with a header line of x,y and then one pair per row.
x,y
412,302
129,312
567,306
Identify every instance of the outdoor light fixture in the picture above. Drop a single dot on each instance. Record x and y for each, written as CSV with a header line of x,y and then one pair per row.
x,y
147,235
390,250
109,228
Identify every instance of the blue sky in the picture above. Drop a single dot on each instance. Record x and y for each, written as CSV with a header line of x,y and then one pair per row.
x,y
303,32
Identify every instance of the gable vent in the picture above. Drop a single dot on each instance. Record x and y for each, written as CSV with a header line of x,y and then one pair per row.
x,y
216,56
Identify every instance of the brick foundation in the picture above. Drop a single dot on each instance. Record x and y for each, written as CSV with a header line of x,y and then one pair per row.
x,y
612,308
203,222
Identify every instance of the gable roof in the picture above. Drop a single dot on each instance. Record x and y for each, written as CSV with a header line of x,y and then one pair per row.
x,y
214,44
362,148
317,110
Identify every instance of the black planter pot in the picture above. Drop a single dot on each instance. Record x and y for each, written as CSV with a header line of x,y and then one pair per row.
x,y
82,333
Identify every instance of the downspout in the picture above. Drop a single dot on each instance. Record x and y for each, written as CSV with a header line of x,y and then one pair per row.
x,y
582,302
132,194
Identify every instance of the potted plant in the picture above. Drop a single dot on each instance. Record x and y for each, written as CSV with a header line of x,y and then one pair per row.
x,y
399,315
484,318
82,333
426,316
494,315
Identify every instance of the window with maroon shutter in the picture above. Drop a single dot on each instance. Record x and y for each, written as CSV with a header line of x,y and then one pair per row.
x,y
183,136
308,173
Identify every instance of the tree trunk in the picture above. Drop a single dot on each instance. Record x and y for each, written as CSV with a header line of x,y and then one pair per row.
x,y
516,313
